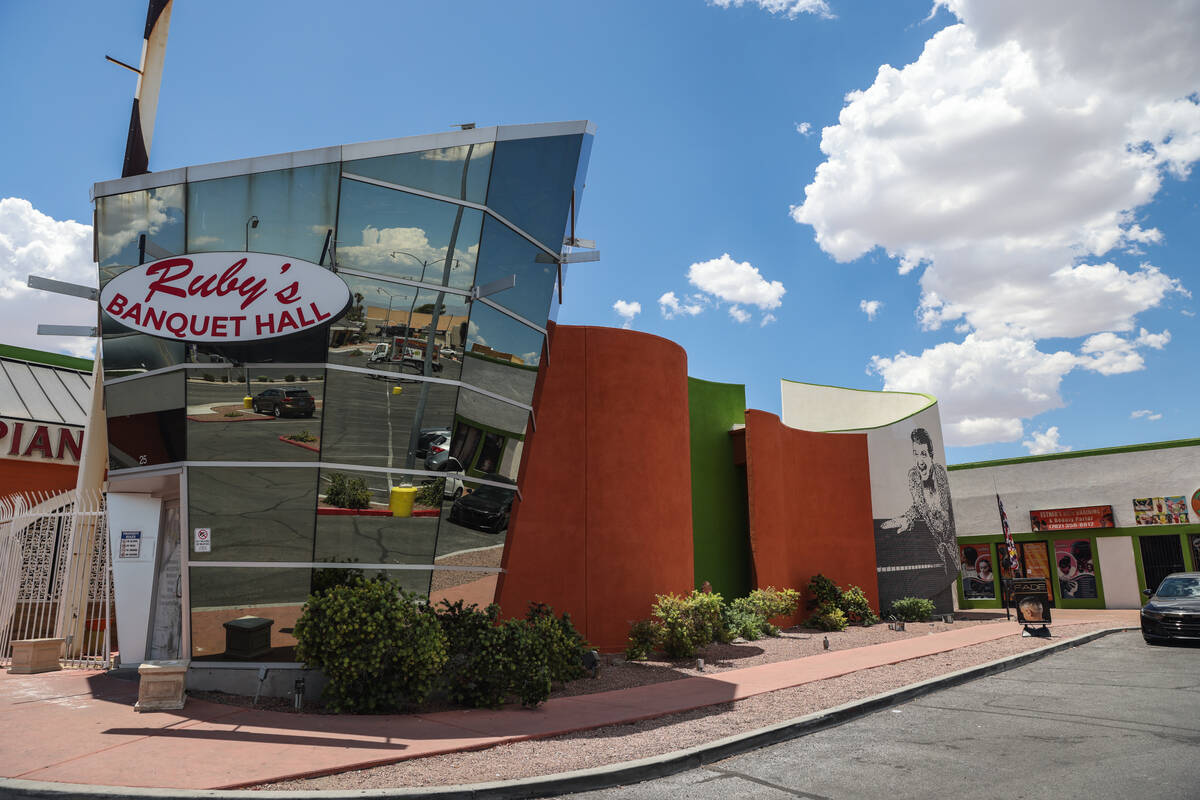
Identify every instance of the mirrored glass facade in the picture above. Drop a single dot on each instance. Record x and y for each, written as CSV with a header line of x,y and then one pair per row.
x,y
387,443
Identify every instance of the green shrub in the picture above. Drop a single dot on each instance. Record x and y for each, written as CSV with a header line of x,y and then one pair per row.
x,y
289,378
856,607
345,492
828,618
431,494
911,609
379,649
264,379
824,591
644,636
210,377
224,379
479,669
740,619
689,621
560,644
303,377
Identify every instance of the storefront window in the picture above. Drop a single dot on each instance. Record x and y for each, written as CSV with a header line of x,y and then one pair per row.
x,y
246,613
531,184
502,354
146,419
1075,569
122,220
502,253
977,573
255,513
283,422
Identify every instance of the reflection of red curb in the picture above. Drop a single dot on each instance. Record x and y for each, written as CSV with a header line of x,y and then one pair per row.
x,y
354,512
316,448
427,512
245,416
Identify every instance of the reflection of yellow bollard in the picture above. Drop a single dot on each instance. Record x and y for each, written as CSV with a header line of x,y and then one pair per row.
x,y
247,401
397,389
401,500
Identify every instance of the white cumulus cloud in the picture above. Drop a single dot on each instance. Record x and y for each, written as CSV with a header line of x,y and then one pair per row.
x,y
1145,413
1006,169
870,307
739,314
627,311
723,280
1044,442
671,306
789,8
33,243
804,128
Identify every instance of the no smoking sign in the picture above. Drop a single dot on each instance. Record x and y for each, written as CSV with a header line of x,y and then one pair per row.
x,y
202,540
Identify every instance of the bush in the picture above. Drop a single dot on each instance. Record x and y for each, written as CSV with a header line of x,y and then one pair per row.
x,y
741,620
856,607
911,609
644,636
379,649
828,618
303,377
289,378
263,379
346,492
824,591
561,645
224,379
689,622
210,377
431,494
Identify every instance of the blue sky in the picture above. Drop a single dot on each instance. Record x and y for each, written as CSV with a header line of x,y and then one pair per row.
x,y
1012,198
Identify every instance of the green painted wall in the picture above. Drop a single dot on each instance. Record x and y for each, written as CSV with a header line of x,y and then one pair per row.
x,y
720,527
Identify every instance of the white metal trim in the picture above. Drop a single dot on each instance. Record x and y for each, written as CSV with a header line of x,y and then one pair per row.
x,y
257,164
147,374
341,565
539,130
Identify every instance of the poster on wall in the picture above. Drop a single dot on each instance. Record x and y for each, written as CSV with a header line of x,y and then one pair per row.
x,y
1066,519
1160,510
916,549
977,576
1075,568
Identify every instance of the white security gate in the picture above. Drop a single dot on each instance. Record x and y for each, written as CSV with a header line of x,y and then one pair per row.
x,y
55,576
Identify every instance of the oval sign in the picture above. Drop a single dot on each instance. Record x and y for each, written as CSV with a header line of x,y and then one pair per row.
x,y
225,297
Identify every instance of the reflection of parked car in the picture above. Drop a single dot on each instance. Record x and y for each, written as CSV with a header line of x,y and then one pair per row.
x,y
429,436
1173,611
486,508
284,402
439,451
449,352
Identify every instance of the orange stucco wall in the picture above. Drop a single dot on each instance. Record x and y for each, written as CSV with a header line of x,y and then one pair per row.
x,y
606,519
35,476
810,506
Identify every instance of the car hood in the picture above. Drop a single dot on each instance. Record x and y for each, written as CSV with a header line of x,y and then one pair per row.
x,y
1168,604
480,503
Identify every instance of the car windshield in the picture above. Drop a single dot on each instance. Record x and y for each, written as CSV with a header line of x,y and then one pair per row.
x,y
1179,587
486,492
297,392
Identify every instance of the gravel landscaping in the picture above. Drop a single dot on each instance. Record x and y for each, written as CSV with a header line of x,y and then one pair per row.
x,y
618,743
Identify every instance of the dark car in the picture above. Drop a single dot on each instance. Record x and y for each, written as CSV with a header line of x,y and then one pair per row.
x,y
284,403
1174,609
487,508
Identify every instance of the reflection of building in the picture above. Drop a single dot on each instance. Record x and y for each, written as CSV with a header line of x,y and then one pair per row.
x,y
44,399
421,222
1099,525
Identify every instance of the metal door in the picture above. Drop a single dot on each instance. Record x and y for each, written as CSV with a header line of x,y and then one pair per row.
x,y
1161,555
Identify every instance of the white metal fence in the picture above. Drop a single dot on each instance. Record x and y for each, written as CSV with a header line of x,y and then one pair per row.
x,y
55,576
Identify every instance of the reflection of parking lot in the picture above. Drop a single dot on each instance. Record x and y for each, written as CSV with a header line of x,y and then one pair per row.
x,y
239,439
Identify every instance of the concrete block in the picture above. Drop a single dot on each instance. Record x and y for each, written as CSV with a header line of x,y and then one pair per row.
x,y
161,685
31,656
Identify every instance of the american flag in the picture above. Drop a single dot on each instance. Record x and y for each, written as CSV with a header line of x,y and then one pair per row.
x,y
1009,558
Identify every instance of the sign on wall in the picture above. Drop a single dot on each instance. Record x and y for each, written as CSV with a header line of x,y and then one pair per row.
x,y
1029,598
1160,510
31,441
225,297
1065,519
202,540
977,575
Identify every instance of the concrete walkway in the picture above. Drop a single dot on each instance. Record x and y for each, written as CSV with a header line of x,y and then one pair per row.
x,y
80,727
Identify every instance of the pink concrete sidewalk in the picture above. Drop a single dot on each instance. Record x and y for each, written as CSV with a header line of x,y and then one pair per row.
x,y
80,727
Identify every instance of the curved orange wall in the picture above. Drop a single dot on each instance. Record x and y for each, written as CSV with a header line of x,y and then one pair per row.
x,y
606,518
35,476
810,507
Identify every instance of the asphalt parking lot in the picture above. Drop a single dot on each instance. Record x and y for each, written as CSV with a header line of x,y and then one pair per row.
x,y
1113,718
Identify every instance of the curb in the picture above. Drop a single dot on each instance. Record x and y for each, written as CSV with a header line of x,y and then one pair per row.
x,y
605,777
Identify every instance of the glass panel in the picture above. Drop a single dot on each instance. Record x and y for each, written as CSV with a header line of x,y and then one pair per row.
x,y
288,212
372,420
283,422
256,514
502,354
470,587
146,421
407,236
122,219
265,603
308,347
531,184
355,525
488,436
504,253
460,172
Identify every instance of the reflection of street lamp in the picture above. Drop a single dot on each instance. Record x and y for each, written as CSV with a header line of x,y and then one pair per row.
x,y
387,321
250,223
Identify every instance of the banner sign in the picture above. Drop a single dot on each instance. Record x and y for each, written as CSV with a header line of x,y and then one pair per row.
x,y
1065,519
1029,598
225,297
1160,510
